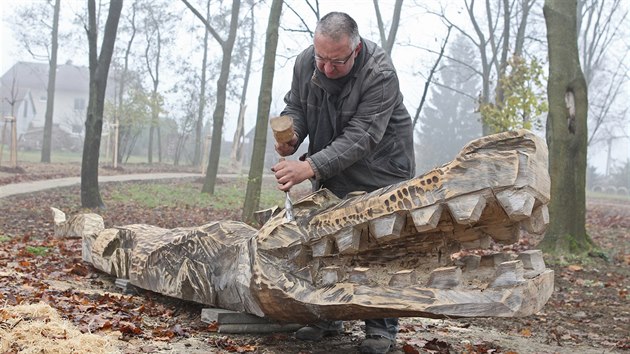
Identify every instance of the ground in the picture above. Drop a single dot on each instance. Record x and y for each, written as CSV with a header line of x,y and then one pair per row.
x,y
589,310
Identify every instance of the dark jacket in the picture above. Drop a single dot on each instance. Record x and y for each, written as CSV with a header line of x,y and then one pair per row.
x,y
360,133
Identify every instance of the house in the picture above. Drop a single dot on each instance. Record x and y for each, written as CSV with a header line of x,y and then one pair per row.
x,y
23,91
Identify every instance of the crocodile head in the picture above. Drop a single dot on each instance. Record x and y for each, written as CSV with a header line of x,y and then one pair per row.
x,y
389,253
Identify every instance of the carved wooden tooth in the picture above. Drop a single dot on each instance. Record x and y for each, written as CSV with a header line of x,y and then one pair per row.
x,y
427,218
348,240
505,234
537,223
322,248
493,260
387,227
467,209
532,260
482,242
404,277
518,204
359,275
469,262
445,278
305,273
330,275
508,274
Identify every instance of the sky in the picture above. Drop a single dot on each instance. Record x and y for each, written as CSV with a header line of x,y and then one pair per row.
x,y
413,64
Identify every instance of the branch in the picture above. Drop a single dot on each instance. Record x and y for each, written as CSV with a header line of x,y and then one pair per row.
x,y
426,84
206,23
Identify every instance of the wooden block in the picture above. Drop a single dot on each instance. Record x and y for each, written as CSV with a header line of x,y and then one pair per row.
x,y
122,284
222,316
258,328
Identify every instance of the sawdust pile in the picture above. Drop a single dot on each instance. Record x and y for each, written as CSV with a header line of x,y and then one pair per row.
x,y
38,328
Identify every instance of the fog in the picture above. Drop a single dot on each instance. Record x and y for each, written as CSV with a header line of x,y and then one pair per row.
x,y
418,41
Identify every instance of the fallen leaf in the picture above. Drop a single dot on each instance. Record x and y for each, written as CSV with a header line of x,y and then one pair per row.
x,y
408,349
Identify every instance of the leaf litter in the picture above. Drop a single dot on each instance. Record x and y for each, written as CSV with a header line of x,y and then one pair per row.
x,y
44,282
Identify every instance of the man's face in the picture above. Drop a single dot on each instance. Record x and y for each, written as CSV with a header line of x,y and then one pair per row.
x,y
334,58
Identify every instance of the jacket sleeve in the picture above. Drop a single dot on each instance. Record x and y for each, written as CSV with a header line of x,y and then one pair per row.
x,y
294,101
365,129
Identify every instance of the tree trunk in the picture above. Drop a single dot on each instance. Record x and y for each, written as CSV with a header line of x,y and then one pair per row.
x,y
566,132
236,156
388,42
202,97
254,182
219,111
52,78
99,69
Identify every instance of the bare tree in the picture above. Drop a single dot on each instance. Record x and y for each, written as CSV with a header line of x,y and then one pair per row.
x,y
52,78
566,132
123,78
158,23
604,60
494,41
202,96
99,69
31,22
254,182
236,155
387,42
219,112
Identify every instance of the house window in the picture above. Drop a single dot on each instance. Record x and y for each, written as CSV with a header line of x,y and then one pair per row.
x,y
79,104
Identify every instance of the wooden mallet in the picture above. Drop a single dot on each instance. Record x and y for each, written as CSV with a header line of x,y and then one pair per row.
x,y
282,128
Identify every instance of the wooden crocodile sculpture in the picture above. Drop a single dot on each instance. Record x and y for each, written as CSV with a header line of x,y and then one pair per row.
x,y
387,253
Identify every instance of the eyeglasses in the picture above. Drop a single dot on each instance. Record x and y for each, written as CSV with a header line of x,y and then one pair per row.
x,y
334,62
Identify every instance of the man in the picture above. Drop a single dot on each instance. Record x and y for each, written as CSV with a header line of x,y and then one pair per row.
x,y
345,97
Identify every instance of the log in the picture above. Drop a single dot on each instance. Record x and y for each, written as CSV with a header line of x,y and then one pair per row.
x,y
370,255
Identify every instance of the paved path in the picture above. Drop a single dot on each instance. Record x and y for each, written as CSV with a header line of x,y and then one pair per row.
x,y
36,186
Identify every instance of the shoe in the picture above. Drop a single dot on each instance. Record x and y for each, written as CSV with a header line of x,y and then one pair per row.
x,y
315,333
376,345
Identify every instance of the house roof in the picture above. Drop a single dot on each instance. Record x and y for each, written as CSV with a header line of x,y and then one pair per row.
x,y
34,76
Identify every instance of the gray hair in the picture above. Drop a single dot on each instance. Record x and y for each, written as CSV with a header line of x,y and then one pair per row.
x,y
337,24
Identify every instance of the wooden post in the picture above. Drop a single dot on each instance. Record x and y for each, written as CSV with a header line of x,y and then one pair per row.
x,y
13,142
206,154
13,151
116,132
4,131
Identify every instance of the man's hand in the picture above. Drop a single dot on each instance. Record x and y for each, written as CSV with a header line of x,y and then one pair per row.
x,y
289,173
286,149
